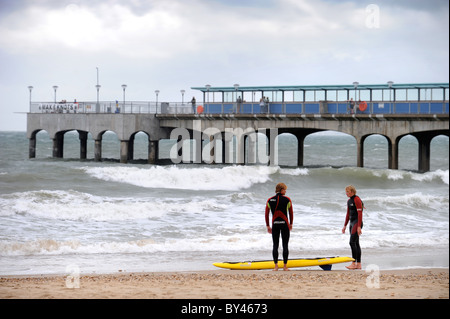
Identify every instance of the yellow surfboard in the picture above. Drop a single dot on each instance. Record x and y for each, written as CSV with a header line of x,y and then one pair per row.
x,y
323,262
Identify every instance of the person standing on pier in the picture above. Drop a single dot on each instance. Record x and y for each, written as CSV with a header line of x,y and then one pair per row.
x,y
238,104
262,104
193,102
282,219
351,106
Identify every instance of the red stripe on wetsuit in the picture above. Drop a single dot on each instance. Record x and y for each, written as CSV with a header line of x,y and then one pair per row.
x,y
359,209
279,213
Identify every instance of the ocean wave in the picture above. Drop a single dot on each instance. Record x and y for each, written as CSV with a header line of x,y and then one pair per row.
x,y
370,175
395,175
331,240
77,206
193,178
294,171
234,178
416,200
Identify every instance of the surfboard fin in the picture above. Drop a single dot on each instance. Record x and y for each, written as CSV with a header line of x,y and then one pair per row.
x,y
325,267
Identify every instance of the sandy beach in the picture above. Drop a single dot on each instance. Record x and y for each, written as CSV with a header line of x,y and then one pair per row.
x,y
227,284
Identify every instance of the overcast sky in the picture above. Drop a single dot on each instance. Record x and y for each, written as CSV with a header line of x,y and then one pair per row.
x,y
169,45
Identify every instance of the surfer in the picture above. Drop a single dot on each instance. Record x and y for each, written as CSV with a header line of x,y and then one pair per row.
x,y
354,215
282,219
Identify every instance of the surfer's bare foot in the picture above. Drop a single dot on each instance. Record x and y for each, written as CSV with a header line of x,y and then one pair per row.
x,y
352,266
276,268
285,268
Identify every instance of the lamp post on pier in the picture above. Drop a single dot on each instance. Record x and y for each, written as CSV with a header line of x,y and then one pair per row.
x,y
55,87
355,84
156,92
182,96
389,83
238,106
30,88
98,86
208,86
391,107
97,106
124,86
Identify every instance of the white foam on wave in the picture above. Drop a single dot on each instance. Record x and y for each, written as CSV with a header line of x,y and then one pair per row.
x,y
396,175
73,205
294,171
173,177
429,176
413,200
78,206
300,241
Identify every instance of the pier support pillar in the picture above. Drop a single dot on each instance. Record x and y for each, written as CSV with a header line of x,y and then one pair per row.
x,y
83,144
424,157
300,150
393,153
360,152
131,149
98,150
272,146
227,145
32,147
252,148
124,151
58,145
300,147
152,151
424,153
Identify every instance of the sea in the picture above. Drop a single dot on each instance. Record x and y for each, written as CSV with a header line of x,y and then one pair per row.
x,y
61,214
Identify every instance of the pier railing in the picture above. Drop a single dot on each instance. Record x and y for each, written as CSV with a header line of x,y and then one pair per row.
x,y
321,107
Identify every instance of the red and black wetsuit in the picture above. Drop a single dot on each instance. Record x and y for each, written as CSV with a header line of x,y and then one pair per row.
x,y
280,206
354,215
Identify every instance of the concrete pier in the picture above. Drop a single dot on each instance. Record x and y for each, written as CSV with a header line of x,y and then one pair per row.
x,y
223,127
243,114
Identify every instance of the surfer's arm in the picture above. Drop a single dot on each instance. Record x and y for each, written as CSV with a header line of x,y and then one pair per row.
x,y
347,218
359,209
291,216
267,217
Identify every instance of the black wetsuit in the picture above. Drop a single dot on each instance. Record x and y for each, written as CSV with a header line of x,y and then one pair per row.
x,y
280,206
354,215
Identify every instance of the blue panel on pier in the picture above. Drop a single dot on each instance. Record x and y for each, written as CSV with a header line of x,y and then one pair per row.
x,y
312,108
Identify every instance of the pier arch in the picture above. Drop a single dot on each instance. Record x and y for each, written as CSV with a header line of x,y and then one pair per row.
x,y
325,139
376,143
435,149
408,149
138,146
424,139
288,154
40,144
107,145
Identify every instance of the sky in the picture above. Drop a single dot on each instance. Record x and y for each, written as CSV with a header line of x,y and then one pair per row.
x,y
173,45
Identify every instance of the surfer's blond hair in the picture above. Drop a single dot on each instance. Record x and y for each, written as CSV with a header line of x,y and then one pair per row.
x,y
351,188
279,187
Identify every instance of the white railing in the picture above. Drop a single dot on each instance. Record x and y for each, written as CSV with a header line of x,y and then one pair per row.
x,y
323,107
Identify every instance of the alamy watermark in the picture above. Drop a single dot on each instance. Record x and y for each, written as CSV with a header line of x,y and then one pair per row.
x,y
372,16
73,276
227,146
373,278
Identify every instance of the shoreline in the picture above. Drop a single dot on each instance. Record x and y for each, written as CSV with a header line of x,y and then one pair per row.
x,y
419,283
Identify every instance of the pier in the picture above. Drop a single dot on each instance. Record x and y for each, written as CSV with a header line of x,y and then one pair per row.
x,y
233,119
